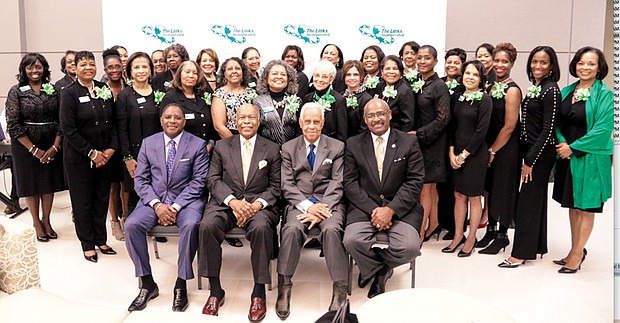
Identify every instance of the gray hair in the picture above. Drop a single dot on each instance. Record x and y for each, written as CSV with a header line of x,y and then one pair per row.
x,y
291,87
310,106
325,66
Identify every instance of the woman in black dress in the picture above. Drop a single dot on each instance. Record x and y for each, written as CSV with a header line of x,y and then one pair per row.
x,y
209,64
278,103
484,53
355,96
294,56
395,90
333,103
90,139
32,121
431,121
537,140
186,91
371,59
174,54
137,117
502,181
468,155
583,174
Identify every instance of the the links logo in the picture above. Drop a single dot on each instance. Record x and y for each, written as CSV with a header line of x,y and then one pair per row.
x,y
233,34
383,35
307,34
163,34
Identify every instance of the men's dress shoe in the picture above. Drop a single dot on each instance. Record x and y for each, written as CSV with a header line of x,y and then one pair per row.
x,y
378,285
179,302
212,306
107,251
361,283
145,295
161,239
314,243
339,295
257,310
283,304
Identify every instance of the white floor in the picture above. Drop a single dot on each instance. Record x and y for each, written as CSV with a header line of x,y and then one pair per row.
x,y
534,292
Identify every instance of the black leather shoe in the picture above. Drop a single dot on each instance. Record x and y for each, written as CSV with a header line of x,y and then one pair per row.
x,y
161,239
283,303
448,236
448,250
92,258
43,238
52,235
179,302
361,283
339,295
488,237
314,243
107,251
500,242
378,285
145,295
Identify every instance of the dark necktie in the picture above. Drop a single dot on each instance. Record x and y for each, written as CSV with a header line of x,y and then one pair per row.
x,y
311,156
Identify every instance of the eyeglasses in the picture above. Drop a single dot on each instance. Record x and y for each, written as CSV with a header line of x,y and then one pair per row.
x,y
114,68
379,114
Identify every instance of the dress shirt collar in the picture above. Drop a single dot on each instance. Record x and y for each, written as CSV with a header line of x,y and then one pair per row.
x,y
252,142
385,137
176,139
316,144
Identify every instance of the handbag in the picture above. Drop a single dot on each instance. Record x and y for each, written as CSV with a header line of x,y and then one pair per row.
x,y
342,315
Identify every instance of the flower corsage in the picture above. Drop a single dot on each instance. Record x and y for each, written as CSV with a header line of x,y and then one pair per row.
x,y
352,102
499,90
471,96
533,91
389,92
250,96
158,96
416,86
293,102
326,100
582,94
412,75
371,82
48,89
103,93
452,85
207,98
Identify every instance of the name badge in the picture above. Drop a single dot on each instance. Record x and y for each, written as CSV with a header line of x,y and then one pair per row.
x,y
252,84
84,99
166,84
268,109
24,88
230,102
190,116
141,100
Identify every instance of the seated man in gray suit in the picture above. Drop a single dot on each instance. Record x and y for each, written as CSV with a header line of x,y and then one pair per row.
x,y
244,181
312,170
383,178
170,180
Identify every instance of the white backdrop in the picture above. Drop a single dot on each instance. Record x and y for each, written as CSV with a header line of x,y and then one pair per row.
x,y
230,26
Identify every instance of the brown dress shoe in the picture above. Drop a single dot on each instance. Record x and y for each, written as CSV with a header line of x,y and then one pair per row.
x,y
258,310
212,307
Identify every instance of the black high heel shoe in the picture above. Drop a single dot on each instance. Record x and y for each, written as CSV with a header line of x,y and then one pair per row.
x,y
501,241
565,270
43,238
448,250
92,258
463,254
562,262
437,232
508,264
107,251
52,235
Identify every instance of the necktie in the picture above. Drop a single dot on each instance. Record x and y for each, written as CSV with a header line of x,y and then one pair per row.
x,y
246,160
380,155
172,152
311,156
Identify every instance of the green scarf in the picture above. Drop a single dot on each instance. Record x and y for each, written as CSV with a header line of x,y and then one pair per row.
x,y
592,172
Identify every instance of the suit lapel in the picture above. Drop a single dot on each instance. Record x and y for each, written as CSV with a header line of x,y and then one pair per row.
x,y
235,156
160,159
321,154
390,151
369,152
257,155
301,153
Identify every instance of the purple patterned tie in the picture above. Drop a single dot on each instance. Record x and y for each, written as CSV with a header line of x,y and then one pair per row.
x,y
172,152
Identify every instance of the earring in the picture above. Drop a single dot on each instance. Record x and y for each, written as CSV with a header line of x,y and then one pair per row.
x,y
550,72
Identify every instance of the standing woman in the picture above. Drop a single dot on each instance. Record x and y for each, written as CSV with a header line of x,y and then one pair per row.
x,y
186,91
469,156
333,54
67,66
537,149
355,96
32,121
90,139
583,174
409,55
394,90
502,181
174,54
251,58
484,53
278,103
209,64
333,104
232,91
454,59
294,56
431,121
137,117
371,60
159,62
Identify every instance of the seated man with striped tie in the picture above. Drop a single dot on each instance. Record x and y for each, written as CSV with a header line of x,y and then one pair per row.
x,y
312,170
383,178
170,180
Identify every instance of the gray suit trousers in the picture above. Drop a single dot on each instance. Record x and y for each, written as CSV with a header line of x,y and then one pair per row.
x,y
404,246
260,231
294,236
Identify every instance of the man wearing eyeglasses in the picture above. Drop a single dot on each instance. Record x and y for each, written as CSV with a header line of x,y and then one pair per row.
x,y
244,181
383,178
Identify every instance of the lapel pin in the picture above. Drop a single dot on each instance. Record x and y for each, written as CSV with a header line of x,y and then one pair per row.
x,y
393,145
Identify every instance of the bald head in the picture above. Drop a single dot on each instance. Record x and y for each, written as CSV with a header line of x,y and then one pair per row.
x,y
377,115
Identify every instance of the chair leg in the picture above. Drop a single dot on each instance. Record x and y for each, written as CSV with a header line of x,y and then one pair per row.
x,y
350,278
412,265
271,269
155,248
199,282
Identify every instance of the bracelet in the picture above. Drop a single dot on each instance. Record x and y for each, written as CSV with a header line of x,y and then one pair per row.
x,y
129,157
32,148
94,156
212,143
56,149
463,156
36,150
158,205
491,151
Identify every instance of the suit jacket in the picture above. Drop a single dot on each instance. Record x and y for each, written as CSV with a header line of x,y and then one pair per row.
x,y
324,182
186,184
401,185
136,121
226,173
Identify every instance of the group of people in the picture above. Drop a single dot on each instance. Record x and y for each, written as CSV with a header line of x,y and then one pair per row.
x,y
380,144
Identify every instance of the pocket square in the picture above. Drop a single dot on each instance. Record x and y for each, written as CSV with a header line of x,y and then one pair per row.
x,y
184,160
399,159
327,161
262,164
